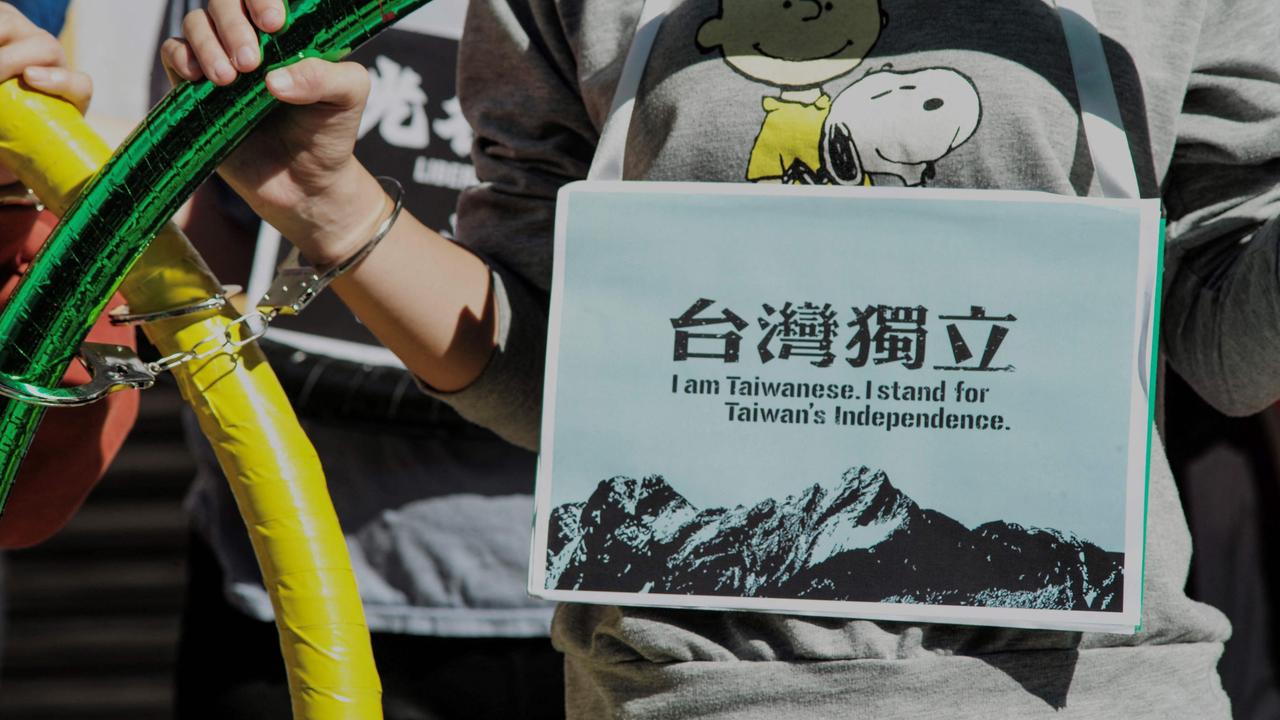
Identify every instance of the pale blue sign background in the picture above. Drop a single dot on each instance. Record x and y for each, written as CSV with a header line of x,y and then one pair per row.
x,y
634,261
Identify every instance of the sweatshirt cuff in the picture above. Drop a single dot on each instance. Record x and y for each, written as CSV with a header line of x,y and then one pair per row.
x,y
507,397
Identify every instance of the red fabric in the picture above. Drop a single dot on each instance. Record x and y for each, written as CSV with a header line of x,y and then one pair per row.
x,y
73,446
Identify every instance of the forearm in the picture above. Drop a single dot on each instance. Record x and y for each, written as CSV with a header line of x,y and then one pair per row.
x,y
473,334
429,300
73,446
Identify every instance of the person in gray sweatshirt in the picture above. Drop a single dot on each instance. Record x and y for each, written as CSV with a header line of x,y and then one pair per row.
x,y
739,90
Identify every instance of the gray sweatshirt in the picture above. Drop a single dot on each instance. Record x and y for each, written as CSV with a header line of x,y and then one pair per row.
x,y
730,96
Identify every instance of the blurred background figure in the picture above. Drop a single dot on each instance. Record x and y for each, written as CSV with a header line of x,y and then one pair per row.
x,y
48,15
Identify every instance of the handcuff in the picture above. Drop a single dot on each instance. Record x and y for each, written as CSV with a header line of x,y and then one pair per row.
x,y
116,367
15,195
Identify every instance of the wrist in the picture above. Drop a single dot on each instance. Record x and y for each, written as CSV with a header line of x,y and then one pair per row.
x,y
328,227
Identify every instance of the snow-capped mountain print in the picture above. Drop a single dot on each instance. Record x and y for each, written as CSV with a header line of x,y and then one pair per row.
x,y
860,539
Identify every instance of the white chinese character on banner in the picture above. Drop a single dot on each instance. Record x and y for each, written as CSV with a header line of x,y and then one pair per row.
x,y
454,128
397,105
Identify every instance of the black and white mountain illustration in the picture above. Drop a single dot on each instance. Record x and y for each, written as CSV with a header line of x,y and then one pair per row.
x,y
861,540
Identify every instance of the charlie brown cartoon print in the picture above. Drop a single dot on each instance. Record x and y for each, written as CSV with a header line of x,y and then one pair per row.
x,y
796,46
887,127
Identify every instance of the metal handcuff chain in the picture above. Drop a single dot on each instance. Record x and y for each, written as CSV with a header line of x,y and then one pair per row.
x,y
113,367
227,342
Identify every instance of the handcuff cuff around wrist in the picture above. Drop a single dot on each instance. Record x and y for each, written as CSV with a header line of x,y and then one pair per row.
x,y
116,367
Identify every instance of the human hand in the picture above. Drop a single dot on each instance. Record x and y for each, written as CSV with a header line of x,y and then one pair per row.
x,y
36,56
297,170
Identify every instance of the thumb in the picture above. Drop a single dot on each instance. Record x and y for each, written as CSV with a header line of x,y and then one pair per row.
x,y
74,87
344,86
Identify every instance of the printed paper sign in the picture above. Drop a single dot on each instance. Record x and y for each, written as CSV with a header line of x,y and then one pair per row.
x,y
920,405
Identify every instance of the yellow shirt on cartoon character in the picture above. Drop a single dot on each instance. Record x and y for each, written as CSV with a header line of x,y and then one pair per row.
x,y
791,131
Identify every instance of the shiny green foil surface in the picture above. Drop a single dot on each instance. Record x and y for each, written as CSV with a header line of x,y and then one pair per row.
x,y
181,142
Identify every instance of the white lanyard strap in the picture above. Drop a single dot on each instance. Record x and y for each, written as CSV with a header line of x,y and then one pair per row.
x,y
1099,109
612,149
